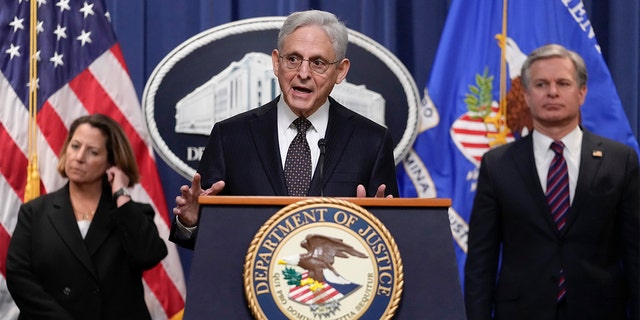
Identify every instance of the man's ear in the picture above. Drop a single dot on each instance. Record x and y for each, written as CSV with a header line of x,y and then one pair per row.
x,y
275,60
343,69
583,94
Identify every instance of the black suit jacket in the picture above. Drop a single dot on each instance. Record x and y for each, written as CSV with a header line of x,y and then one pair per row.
x,y
244,152
52,273
597,249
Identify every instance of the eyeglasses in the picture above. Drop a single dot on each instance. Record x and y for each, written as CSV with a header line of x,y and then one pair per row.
x,y
319,66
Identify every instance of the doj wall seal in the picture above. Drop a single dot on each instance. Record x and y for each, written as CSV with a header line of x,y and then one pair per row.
x,y
323,259
227,70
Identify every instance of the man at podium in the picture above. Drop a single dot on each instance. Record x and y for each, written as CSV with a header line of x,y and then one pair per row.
x,y
303,143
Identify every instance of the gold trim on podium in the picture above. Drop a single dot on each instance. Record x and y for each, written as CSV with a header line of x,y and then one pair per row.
x,y
380,202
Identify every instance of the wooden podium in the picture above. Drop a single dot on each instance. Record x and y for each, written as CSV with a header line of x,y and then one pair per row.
x,y
419,226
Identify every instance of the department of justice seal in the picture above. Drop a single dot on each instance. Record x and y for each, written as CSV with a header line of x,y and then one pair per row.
x,y
323,259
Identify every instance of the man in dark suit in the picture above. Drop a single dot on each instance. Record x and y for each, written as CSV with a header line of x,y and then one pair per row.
x,y
247,154
542,246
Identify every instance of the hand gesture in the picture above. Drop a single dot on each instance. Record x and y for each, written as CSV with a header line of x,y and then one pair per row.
x,y
187,206
361,192
117,179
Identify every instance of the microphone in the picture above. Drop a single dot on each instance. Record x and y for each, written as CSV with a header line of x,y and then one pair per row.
x,y
322,144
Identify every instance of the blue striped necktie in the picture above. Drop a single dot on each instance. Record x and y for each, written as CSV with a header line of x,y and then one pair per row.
x,y
558,198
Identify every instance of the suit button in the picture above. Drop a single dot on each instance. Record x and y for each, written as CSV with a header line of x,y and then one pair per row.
x,y
66,291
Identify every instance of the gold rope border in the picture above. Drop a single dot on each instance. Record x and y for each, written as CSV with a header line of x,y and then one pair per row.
x,y
395,252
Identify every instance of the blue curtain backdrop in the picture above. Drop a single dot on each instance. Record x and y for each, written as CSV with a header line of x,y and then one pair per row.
x,y
411,29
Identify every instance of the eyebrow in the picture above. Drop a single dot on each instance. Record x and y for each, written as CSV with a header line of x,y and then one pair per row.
x,y
310,58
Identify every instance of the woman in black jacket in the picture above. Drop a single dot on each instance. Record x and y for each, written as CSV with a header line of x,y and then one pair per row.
x,y
79,252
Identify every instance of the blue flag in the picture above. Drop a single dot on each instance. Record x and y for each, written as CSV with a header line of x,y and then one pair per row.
x,y
481,51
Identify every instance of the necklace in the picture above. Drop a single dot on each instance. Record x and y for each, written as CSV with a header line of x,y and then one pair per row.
x,y
85,215
82,206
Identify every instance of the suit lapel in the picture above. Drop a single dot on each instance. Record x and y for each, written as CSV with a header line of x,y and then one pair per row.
x,y
264,124
62,219
101,225
589,167
337,135
525,162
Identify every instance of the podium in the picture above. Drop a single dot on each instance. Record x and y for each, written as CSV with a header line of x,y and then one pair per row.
x,y
419,226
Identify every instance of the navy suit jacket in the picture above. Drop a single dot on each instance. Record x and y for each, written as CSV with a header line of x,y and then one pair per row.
x,y
52,273
244,152
598,248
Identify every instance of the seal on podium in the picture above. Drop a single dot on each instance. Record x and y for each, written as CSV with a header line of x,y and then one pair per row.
x,y
323,258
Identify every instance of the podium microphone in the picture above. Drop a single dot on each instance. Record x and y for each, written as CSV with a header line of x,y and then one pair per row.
x,y
322,145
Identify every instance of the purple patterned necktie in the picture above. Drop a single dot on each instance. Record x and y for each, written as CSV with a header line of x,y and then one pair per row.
x,y
297,166
558,198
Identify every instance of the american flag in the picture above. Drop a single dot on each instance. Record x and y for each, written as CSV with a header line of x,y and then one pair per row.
x,y
324,293
81,70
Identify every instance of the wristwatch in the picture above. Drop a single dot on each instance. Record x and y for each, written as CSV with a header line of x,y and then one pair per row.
x,y
121,192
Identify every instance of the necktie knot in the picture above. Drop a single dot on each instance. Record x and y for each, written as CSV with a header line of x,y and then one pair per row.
x,y
557,147
302,124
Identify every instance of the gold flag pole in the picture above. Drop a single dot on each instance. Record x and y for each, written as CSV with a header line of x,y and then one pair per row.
x,y
32,189
499,121
503,63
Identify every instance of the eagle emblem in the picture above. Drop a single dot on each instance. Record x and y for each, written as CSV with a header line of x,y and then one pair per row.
x,y
319,285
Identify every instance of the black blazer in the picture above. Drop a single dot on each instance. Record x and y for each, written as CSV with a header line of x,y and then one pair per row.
x,y
598,248
52,273
244,152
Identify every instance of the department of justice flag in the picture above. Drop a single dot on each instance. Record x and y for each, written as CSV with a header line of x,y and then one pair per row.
x,y
482,48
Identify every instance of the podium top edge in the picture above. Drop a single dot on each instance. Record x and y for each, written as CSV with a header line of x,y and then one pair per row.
x,y
366,202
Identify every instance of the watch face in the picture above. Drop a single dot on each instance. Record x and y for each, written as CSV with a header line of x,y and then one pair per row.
x,y
121,192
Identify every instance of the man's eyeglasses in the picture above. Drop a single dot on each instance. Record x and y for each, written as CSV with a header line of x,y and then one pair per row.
x,y
318,66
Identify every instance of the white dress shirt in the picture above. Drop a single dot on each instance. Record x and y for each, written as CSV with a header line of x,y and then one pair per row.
x,y
287,131
571,152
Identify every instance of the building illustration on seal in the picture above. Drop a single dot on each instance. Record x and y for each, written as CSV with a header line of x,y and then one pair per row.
x,y
250,83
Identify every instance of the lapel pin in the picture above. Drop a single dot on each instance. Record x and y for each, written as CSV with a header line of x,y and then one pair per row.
x,y
597,154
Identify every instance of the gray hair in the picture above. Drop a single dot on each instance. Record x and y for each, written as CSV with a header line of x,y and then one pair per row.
x,y
554,51
335,29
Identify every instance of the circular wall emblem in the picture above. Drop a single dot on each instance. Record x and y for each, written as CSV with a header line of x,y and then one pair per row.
x,y
226,70
323,259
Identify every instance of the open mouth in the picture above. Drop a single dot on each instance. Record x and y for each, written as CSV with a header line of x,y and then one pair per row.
x,y
301,89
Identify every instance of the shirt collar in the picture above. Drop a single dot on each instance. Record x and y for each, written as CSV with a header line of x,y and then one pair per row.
x,y
572,142
318,119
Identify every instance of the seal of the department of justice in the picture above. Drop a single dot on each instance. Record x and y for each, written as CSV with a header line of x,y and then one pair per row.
x,y
323,258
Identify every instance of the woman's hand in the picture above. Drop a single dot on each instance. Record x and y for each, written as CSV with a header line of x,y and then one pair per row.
x,y
117,179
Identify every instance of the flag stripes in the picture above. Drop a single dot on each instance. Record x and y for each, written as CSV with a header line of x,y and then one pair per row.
x,y
304,294
93,79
